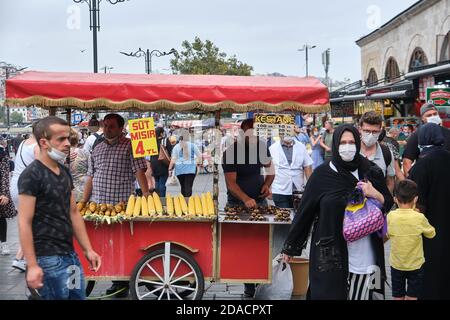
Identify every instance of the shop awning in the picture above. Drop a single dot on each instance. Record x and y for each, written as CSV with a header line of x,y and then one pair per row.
x,y
206,93
445,68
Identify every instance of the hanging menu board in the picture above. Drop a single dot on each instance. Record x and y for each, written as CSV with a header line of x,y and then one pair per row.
x,y
269,125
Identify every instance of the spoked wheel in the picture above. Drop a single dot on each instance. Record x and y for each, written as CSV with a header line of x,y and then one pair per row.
x,y
90,284
167,274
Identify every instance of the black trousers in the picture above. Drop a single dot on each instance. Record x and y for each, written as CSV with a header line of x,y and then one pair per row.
x,y
186,182
3,228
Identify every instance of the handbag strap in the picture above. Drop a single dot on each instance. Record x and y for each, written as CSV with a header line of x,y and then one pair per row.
x,y
20,153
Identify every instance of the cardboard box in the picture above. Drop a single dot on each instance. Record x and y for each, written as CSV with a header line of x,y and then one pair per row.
x,y
300,275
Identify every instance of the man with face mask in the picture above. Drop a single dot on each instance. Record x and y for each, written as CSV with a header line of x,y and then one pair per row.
x,y
112,171
370,127
49,218
429,114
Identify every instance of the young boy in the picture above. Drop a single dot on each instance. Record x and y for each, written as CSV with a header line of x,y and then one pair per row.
x,y
405,229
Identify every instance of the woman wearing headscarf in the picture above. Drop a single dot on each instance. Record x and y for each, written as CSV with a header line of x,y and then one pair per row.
x,y
339,270
432,175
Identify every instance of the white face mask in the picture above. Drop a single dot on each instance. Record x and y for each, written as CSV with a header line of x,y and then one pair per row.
x,y
57,155
369,139
435,119
347,152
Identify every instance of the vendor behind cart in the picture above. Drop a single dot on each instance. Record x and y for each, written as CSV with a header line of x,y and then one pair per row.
x,y
242,164
111,173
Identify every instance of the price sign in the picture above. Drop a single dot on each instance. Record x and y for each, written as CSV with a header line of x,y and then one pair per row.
x,y
143,137
274,125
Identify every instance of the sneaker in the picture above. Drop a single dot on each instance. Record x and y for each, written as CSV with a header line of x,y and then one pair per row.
x,y
120,288
20,265
5,249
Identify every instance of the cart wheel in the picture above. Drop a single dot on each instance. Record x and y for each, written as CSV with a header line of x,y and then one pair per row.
x,y
168,285
89,287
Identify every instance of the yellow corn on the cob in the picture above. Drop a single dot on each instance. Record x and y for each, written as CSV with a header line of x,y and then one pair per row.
x,y
204,205
158,204
191,206
144,209
151,206
137,207
210,204
177,205
169,205
198,206
130,205
184,206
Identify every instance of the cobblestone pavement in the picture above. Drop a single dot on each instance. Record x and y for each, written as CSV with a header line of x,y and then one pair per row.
x,y
12,284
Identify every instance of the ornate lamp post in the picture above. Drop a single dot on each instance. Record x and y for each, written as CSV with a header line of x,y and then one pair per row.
x,y
148,56
94,18
306,48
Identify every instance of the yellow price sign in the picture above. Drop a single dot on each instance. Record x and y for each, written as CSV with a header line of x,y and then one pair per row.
x,y
143,137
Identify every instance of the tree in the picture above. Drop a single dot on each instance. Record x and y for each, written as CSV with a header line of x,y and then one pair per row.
x,y
2,114
201,57
16,117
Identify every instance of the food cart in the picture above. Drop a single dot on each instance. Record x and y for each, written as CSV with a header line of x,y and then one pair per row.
x,y
171,257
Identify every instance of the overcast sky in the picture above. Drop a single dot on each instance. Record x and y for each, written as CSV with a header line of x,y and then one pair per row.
x,y
46,34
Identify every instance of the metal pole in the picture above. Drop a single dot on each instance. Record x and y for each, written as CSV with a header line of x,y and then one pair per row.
x,y
94,32
7,107
216,158
148,65
306,60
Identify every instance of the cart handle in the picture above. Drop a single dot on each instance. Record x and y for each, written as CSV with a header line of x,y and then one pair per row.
x,y
193,250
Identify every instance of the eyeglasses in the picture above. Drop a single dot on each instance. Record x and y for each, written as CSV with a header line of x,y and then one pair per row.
x,y
373,132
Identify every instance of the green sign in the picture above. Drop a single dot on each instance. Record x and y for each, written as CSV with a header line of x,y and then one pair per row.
x,y
440,97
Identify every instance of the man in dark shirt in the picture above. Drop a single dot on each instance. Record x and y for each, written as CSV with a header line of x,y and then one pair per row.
x,y
242,164
429,114
49,218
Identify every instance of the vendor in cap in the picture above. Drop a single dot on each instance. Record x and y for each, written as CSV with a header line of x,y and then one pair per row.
x,y
429,114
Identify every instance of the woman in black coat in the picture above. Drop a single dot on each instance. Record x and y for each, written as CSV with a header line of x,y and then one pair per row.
x,y
340,270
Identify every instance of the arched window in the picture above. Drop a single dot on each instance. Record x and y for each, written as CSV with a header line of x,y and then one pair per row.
x,y
392,70
418,59
372,78
445,51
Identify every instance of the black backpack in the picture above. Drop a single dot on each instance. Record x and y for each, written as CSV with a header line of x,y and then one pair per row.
x,y
387,156
99,138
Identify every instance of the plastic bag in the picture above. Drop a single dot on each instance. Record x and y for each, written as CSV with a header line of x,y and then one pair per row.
x,y
172,181
282,283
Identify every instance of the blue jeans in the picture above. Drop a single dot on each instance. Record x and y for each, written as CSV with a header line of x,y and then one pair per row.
x,y
63,278
160,185
283,201
280,232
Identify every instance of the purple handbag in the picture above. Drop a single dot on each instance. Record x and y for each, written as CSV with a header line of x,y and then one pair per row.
x,y
363,216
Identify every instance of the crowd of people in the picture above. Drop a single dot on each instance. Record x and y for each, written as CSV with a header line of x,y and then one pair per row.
x,y
402,170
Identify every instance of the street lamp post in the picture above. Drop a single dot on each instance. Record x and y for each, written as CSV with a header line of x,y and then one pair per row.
x,y
94,18
306,48
148,56
10,70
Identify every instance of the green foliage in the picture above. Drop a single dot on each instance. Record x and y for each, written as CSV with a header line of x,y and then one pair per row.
x,y
16,117
201,57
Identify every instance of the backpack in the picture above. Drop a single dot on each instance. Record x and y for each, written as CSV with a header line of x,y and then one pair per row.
x,y
387,156
99,138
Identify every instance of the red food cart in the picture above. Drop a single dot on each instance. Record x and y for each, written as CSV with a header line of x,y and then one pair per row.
x,y
172,257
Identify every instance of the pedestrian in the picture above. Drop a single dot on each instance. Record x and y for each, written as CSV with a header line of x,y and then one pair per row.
x,y
27,152
370,128
292,165
111,174
405,229
339,269
327,140
185,158
242,164
301,135
79,161
96,129
432,175
390,141
16,142
160,163
49,218
316,154
7,209
429,114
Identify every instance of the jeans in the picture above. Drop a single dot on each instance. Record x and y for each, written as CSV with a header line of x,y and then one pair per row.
x,y
63,278
400,279
160,185
283,201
